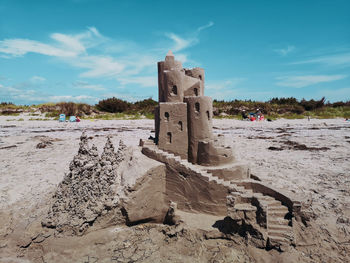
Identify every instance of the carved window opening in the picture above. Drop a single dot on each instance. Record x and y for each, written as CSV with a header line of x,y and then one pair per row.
x,y
180,126
197,106
166,115
196,91
208,115
200,77
168,135
174,90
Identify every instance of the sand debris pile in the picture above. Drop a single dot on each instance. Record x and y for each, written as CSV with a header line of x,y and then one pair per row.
x,y
88,190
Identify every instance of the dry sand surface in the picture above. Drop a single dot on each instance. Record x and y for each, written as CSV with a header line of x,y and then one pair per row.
x,y
308,158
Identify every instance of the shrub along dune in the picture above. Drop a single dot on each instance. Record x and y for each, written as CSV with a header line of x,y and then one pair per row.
x,y
114,108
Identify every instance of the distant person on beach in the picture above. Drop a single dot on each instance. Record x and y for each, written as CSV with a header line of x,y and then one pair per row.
x,y
244,115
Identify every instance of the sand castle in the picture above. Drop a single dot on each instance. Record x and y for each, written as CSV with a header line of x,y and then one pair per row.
x,y
184,175
184,115
202,174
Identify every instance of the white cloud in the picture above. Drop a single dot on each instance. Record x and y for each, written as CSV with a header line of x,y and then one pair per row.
x,y
304,81
95,31
63,46
80,98
97,56
98,66
285,51
15,94
342,59
181,43
20,47
37,79
86,85
210,24
224,84
342,94
8,89
72,43
225,89
74,50
182,57
145,81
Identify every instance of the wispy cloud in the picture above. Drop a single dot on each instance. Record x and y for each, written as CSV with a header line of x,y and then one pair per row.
x,y
224,84
20,47
210,24
342,59
63,45
75,50
304,81
87,86
9,93
342,94
224,89
79,98
37,79
146,81
97,56
181,43
285,51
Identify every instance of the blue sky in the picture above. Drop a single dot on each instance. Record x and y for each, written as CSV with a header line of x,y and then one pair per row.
x,y
87,50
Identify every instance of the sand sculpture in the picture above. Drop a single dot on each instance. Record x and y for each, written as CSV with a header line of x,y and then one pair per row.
x,y
186,169
202,174
184,116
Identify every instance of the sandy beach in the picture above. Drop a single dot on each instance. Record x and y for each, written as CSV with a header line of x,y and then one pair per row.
x,y
308,158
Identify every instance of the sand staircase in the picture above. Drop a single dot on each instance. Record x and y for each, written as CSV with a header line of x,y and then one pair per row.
x,y
279,229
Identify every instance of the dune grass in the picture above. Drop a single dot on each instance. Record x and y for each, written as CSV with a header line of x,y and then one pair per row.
x,y
116,109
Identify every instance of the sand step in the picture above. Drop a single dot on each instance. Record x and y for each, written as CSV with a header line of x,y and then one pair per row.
x,y
276,221
279,233
240,188
278,227
226,183
247,195
218,180
207,175
197,170
278,209
277,213
274,240
259,196
273,203
245,207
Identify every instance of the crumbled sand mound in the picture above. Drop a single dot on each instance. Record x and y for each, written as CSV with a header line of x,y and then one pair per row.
x,y
88,190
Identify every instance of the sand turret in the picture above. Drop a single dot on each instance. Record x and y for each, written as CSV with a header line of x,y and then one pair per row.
x,y
183,117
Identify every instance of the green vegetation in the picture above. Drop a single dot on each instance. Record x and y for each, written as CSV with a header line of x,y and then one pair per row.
x,y
288,108
114,105
117,109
